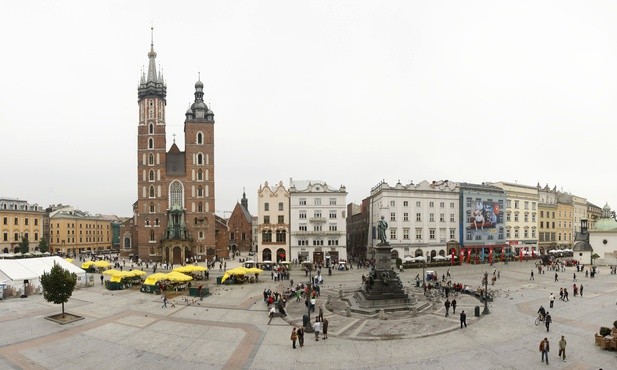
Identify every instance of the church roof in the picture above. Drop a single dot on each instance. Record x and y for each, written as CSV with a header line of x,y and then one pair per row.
x,y
606,222
175,163
582,247
174,148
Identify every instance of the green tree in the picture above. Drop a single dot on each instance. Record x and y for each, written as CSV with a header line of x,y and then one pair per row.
x,y
43,246
594,256
58,285
24,245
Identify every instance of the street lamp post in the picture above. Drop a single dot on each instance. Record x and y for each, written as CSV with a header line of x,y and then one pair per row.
x,y
424,276
485,312
307,324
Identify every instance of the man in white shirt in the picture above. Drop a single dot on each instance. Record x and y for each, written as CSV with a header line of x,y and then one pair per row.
x,y
317,328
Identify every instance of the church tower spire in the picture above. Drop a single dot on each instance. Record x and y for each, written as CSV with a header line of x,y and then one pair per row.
x,y
244,201
152,84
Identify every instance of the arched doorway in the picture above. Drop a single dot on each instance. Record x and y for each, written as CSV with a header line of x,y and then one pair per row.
x,y
266,255
177,253
442,253
433,254
281,255
418,253
5,250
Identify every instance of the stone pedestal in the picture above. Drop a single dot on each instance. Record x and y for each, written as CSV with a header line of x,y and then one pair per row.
x,y
383,287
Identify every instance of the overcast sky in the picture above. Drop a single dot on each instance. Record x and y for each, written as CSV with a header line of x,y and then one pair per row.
x,y
348,92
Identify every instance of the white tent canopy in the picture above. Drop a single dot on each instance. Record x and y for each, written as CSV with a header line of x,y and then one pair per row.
x,y
15,271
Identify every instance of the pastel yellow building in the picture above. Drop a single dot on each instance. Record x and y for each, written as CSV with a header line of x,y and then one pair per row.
x,y
565,221
72,232
18,219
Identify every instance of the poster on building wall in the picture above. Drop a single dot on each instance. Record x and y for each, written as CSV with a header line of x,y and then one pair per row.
x,y
484,216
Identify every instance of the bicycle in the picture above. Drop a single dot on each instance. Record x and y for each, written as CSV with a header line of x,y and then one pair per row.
x,y
539,319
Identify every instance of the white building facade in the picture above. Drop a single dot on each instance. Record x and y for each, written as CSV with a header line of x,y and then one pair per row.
x,y
422,219
318,222
521,216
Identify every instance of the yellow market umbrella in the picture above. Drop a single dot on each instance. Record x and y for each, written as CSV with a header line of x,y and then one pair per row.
x,y
182,269
86,265
137,272
69,260
178,277
235,271
190,268
154,278
102,264
225,277
238,271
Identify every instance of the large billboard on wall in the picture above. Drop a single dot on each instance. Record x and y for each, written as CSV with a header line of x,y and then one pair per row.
x,y
483,215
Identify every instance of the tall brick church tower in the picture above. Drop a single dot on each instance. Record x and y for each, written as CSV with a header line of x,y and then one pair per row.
x,y
174,212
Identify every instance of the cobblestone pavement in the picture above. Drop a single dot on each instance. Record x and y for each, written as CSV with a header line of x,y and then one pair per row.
x,y
229,329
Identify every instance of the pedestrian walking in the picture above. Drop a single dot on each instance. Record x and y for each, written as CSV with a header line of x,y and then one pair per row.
x,y
548,320
574,277
447,305
562,348
164,302
294,337
581,290
565,294
324,328
317,328
300,333
531,277
102,279
561,294
321,312
544,349
556,277
551,299
463,319
271,314
453,305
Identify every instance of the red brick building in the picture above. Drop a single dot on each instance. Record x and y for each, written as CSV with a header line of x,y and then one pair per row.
x,y
174,213
240,225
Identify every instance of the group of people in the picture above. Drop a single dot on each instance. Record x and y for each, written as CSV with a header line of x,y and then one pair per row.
x,y
319,327
545,348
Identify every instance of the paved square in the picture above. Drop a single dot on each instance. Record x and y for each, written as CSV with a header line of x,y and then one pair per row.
x,y
129,329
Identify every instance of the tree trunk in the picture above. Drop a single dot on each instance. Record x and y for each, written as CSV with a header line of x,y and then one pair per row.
x,y
63,310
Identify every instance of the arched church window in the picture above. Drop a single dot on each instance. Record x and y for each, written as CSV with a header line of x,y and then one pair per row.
x,y
151,129
151,175
176,195
200,138
200,207
200,175
200,158
152,235
150,143
200,191
151,159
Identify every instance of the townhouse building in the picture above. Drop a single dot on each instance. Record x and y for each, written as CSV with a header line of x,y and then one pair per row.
x,y
318,222
521,216
423,219
273,223
20,220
